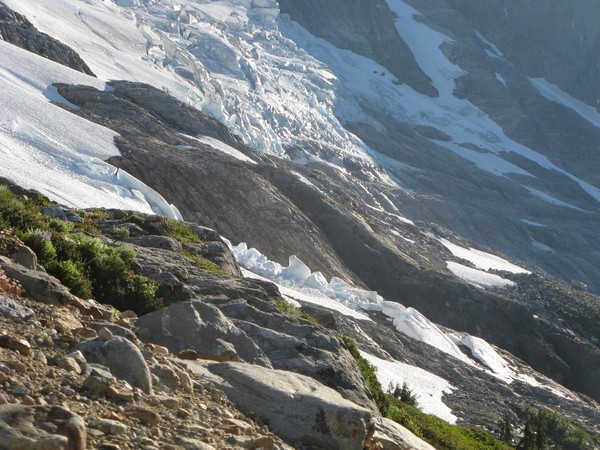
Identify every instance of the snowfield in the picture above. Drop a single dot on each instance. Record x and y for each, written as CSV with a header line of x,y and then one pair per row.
x,y
44,147
478,278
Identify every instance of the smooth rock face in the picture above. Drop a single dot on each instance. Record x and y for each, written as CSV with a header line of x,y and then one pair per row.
x,y
17,30
197,325
297,408
123,358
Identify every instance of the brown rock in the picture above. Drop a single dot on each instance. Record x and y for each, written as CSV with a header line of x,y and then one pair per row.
x,y
188,353
146,416
16,344
119,393
85,332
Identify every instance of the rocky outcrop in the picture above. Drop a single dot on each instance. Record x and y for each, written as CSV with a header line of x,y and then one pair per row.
x,y
201,327
339,232
318,417
55,397
17,30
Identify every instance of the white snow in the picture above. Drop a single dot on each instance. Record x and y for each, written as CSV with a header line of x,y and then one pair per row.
x,y
532,223
298,282
44,147
556,94
482,260
428,388
492,49
550,199
542,247
478,278
224,148
500,78
417,326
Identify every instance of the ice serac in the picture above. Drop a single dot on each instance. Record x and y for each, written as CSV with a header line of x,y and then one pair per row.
x,y
367,28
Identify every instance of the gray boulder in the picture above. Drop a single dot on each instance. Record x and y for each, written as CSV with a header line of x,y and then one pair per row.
x,y
26,257
202,327
37,285
297,408
394,436
12,309
123,358
152,241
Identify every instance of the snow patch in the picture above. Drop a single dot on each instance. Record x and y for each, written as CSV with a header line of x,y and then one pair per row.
x,y
482,260
428,388
478,278
554,93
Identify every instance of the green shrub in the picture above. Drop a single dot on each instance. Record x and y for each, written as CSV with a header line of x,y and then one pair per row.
x,y
119,233
137,220
22,215
563,433
204,264
87,266
182,231
369,373
40,243
289,309
71,275
404,394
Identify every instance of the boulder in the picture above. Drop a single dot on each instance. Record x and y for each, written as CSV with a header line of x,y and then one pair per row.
x,y
122,357
26,257
62,213
151,241
37,285
298,408
21,427
12,309
202,327
394,436
115,329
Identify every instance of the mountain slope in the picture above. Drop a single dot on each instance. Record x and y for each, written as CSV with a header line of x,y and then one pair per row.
x,y
298,144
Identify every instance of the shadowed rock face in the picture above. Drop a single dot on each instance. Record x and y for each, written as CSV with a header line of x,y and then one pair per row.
x,y
555,39
17,30
364,26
